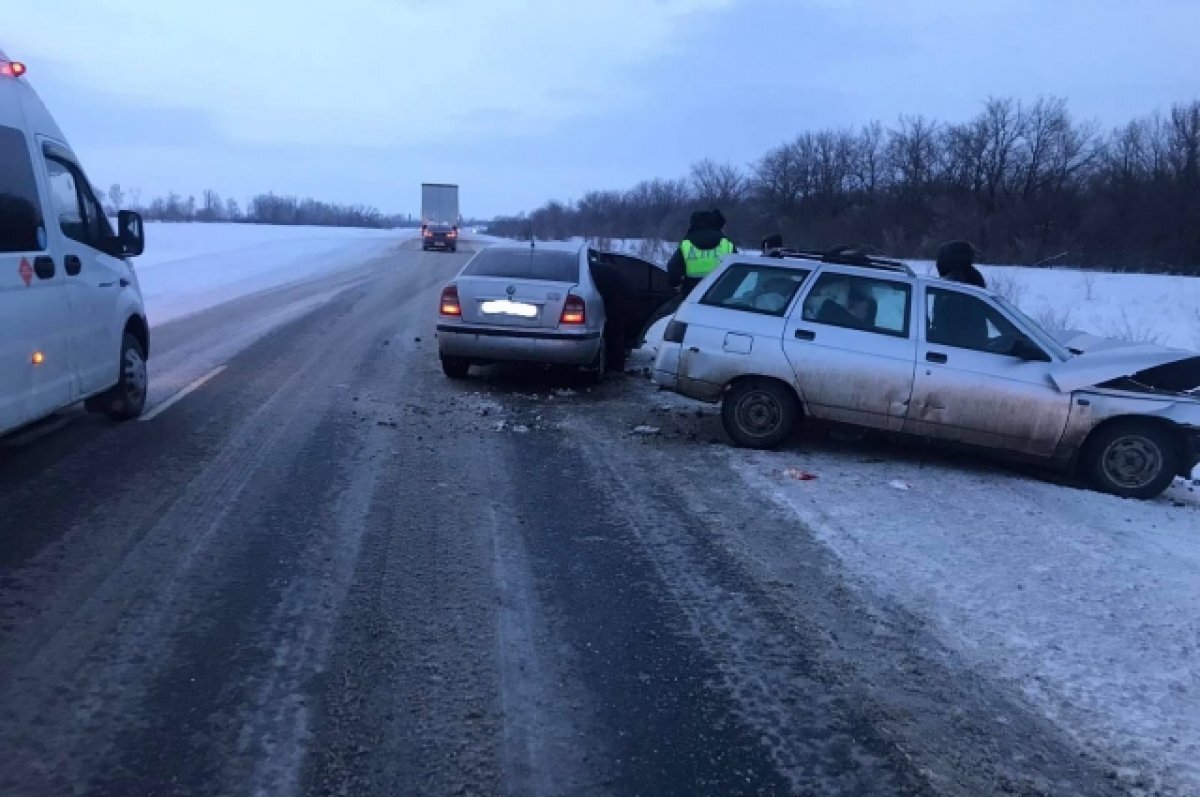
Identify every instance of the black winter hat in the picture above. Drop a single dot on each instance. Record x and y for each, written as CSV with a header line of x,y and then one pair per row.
x,y
954,254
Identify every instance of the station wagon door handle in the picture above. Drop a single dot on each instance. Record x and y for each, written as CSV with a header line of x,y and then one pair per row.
x,y
936,357
806,334
74,265
44,267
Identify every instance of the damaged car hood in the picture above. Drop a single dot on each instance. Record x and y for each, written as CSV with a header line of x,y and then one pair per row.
x,y
1104,360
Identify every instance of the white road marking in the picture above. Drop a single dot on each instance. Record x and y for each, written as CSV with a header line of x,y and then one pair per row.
x,y
182,394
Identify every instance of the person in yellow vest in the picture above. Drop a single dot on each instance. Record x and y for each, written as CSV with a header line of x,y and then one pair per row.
x,y
700,251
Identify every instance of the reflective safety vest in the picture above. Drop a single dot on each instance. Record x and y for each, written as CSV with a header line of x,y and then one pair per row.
x,y
699,262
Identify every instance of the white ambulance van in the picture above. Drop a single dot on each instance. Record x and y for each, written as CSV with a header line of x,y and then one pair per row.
x,y
72,322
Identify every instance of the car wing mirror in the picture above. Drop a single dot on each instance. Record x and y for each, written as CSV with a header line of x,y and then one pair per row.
x,y
131,233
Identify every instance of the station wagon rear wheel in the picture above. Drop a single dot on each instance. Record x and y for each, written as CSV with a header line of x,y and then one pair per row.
x,y
759,413
1133,459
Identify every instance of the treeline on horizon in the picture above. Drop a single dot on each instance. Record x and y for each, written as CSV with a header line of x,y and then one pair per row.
x,y
1026,182
266,208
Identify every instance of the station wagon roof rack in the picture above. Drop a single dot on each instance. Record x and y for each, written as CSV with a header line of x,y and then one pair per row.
x,y
843,256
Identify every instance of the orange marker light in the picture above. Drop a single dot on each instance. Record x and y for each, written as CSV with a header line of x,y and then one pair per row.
x,y
38,358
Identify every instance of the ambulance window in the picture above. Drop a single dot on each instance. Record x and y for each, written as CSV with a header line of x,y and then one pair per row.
x,y
64,195
20,210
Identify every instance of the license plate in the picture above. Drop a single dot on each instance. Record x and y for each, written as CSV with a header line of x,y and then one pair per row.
x,y
506,307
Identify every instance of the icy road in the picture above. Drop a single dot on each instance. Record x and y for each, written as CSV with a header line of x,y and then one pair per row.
x,y
326,569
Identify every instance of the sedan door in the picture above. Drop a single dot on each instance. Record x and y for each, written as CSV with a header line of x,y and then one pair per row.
x,y
977,384
851,345
633,290
93,278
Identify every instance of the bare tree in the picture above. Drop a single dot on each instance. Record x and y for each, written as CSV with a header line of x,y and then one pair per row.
x,y
868,159
717,184
913,153
1089,285
116,197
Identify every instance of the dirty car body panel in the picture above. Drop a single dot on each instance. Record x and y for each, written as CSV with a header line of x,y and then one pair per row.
x,y
733,329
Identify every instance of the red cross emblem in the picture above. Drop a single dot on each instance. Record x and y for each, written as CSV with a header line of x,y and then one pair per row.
x,y
26,272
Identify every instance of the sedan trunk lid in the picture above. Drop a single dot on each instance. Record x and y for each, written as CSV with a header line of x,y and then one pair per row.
x,y
496,301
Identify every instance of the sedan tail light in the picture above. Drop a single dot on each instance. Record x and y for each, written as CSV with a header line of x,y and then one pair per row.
x,y
574,311
450,305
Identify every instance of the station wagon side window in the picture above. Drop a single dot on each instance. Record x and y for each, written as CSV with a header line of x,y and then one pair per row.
x,y
967,322
864,303
20,208
80,216
756,289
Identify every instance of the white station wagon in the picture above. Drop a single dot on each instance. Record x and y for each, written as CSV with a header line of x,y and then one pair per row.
x,y
848,339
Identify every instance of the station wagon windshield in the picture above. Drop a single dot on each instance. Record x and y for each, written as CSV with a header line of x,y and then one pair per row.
x,y
1041,336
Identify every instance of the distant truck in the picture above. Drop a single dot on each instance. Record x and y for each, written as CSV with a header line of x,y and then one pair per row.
x,y
439,204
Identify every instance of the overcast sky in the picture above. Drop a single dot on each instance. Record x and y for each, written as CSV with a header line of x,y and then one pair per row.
x,y
523,100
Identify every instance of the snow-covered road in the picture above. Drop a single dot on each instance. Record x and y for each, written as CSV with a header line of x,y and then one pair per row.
x,y
330,569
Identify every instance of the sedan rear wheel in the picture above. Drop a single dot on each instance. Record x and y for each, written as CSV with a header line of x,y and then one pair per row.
x,y
1133,459
594,373
456,367
759,413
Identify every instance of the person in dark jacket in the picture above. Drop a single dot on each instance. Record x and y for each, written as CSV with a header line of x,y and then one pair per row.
x,y
700,251
618,294
956,262
772,243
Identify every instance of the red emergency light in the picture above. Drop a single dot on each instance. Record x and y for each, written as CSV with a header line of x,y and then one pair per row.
x,y
12,68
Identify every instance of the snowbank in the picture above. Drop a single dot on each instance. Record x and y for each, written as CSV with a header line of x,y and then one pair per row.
x,y
1084,603
188,268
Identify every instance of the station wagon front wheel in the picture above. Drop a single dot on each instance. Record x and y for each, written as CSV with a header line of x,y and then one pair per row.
x,y
1132,459
759,413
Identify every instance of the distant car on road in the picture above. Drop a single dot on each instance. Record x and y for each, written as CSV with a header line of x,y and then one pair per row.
x,y
546,305
439,236
72,322
863,341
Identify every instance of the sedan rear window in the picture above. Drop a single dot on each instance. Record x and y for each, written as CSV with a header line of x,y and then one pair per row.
x,y
533,264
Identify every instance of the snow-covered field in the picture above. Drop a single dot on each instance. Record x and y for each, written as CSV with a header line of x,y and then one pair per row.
x,y
187,268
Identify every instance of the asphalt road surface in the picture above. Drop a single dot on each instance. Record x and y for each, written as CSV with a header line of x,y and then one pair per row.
x,y
330,570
